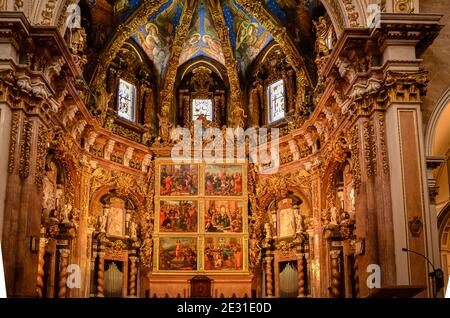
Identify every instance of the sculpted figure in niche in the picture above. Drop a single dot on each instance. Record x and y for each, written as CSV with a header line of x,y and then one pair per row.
x,y
298,219
321,27
103,99
238,117
267,231
49,190
133,230
334,215
66,212
255,102
165,127
103,219
147,135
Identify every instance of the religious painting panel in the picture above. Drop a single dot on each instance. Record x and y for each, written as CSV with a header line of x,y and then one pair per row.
x,y
223,253
223,216
177,253
286,219
223,180
178,180
178,216
116,218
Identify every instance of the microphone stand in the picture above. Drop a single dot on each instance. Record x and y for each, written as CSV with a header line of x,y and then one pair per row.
x,y
436,274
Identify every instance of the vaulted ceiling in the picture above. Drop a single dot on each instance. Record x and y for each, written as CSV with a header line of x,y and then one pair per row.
x,y
247,35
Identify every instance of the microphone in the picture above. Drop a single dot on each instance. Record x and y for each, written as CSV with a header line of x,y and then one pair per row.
x,y
436,274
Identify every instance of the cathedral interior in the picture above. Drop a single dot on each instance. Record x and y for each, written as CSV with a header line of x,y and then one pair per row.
x,y
354,93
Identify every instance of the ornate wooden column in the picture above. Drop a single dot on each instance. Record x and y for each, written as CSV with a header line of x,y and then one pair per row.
x,y
335,273
62,273
93,283
133,276
41,273
100,274
301,275
269,276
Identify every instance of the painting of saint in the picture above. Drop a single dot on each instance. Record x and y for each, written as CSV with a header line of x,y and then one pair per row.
x,y
178,180
177,254
249,37
178,216
156,36
202,38
223,180
223,216
223,253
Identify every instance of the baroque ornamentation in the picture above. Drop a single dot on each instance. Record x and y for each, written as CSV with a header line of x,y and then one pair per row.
x,y
25,148
13,140
47,13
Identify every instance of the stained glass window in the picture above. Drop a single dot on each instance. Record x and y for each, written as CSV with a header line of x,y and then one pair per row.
x,y
126,100
276,100
202,107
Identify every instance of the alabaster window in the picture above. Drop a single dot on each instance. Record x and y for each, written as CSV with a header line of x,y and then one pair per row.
x,y
202,107
126,100
276,101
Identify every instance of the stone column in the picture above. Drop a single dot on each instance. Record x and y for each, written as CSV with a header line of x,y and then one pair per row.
x,y
269,277
405,82
62,274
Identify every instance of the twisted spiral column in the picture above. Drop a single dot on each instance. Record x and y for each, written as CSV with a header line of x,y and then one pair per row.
x,y
133,274
62,277
335,274
40,272
100,274
356,274
269,279
301,276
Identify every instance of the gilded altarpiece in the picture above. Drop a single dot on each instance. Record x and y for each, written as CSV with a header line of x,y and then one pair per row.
x,y
201,223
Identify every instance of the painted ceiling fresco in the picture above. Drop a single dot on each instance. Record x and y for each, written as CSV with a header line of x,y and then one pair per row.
x,y
248,38
202,39
156,36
